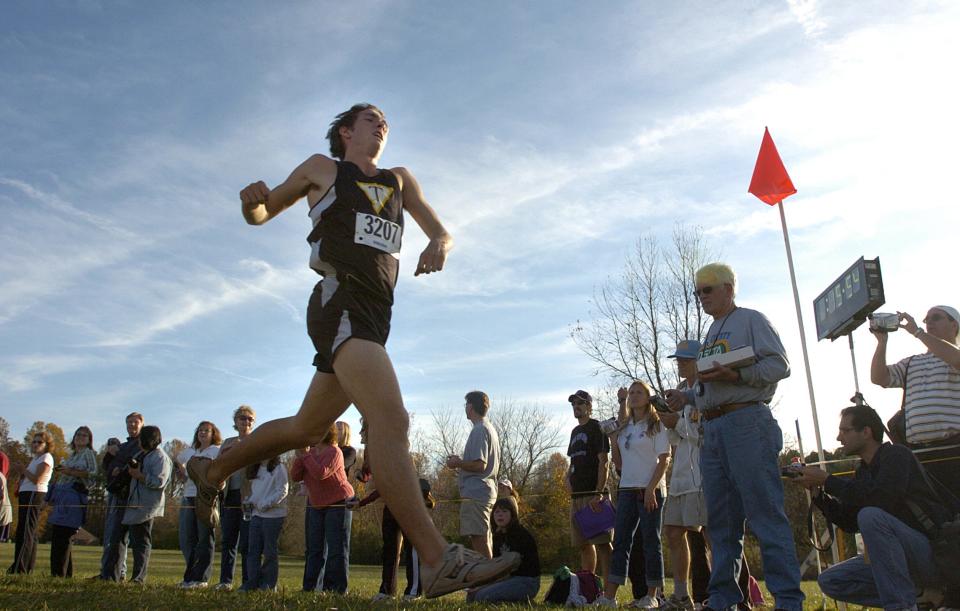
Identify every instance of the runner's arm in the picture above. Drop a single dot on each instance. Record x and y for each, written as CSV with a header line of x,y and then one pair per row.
x,y
259,204
435,254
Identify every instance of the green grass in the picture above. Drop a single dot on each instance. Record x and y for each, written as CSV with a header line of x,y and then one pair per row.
x,y
40,591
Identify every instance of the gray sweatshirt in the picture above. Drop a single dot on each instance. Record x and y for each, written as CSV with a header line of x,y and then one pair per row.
x,y
744,327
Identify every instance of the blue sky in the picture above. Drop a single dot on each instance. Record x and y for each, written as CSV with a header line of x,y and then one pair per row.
x,y
548,136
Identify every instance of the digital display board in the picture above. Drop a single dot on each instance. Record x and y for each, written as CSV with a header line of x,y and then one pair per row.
x,y
845,304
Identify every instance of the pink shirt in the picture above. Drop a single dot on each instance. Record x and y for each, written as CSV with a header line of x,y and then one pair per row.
x,y
322,471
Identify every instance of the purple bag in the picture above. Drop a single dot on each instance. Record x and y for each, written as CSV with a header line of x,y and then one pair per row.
x,y
592,523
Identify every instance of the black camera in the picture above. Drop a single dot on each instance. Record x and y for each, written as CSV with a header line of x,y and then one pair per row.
x,y
659,403
134,463
792,470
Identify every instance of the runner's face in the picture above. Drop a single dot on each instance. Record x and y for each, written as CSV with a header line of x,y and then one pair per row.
x,y
243,423
205,434
369,132
851,440
581,408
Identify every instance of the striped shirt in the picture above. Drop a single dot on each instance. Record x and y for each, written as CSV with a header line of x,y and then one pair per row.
x,y
932,407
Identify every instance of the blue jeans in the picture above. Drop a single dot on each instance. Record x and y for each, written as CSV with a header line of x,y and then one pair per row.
x,y
110,523
327,532
264,540
901,562
741,481
141,543
196,543
233,537
632,515
510,590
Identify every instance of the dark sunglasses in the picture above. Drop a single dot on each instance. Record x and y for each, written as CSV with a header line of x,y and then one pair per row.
x,y
936,317
704,291
578,402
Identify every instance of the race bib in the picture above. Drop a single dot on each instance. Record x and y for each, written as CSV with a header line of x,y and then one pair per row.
x,y
378,233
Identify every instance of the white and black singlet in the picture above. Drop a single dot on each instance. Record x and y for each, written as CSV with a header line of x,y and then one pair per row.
x,y
355,246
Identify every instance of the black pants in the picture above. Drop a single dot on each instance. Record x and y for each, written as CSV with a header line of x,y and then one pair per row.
x,y
28,518
61,550
393,543
944,467
700,570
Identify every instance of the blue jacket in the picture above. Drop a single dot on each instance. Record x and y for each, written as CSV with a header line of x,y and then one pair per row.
x,y
146,499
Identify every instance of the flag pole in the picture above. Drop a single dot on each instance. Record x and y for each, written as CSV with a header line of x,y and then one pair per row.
x,y
803,346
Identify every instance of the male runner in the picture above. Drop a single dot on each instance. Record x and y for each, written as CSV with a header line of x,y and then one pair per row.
x,y
357,213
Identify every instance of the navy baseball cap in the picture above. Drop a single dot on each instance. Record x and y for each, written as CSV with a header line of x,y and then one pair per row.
x,y
581,394
687,349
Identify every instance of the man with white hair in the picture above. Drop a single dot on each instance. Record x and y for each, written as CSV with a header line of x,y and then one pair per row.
x,y
931,383
741,445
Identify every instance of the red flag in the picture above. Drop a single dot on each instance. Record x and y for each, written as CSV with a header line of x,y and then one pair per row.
x,y
770,181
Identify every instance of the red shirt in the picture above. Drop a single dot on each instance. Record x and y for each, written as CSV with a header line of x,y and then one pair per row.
x,y
322,471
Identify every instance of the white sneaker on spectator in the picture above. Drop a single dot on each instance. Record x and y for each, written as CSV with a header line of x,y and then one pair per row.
x,y
603,601
185,585
461,568
223,587
193,585
647,602
676,603
411,597
380,596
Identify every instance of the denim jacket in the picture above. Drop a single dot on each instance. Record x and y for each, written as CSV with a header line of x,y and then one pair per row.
x,y
146,499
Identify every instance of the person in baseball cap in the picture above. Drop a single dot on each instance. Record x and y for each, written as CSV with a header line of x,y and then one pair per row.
x,y
687,349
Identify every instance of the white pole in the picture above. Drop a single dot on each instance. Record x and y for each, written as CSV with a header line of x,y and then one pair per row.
x,y
803,346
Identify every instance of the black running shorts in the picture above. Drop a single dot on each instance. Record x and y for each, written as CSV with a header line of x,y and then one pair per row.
x,y
338,310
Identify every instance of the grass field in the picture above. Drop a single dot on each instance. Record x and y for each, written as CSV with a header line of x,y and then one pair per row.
x,y
40,591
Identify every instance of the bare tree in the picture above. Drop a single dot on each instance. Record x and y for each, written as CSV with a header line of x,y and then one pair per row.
x,y
639,316
527,436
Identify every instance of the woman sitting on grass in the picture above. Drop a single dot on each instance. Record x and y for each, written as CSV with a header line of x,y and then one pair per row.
x,y
268,493
510,536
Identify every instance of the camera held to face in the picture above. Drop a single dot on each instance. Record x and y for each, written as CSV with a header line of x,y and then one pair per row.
x,y
885,323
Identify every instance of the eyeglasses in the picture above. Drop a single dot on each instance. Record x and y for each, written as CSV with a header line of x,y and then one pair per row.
x,y
847,429
936,317
578,402
703,291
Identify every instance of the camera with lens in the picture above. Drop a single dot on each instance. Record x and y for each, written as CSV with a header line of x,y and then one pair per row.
x,y
880,321
794,469
659,403
134,463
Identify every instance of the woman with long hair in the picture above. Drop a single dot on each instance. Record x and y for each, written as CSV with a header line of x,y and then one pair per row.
x,y
509,535
234,530
34,481
328,522
269,488
349,452
641,451
69,497
196,537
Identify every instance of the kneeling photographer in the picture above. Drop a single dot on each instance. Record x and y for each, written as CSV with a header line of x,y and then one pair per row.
x,y
930,415
886,500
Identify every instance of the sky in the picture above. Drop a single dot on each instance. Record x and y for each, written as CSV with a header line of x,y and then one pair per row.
x,y
547,135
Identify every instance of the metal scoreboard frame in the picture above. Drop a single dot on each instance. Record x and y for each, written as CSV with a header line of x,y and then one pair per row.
x,y
848,300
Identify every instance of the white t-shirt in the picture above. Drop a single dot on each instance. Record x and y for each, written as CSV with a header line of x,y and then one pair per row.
x,y
639,453
189,488
41,486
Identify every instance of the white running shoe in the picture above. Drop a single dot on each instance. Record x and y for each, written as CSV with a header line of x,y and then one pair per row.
x,y
603,601
410,597
223,587
461,568
379,597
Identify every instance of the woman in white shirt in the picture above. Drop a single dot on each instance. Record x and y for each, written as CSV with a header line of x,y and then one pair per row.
x,y
196,538
269,486
641,451
34,479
